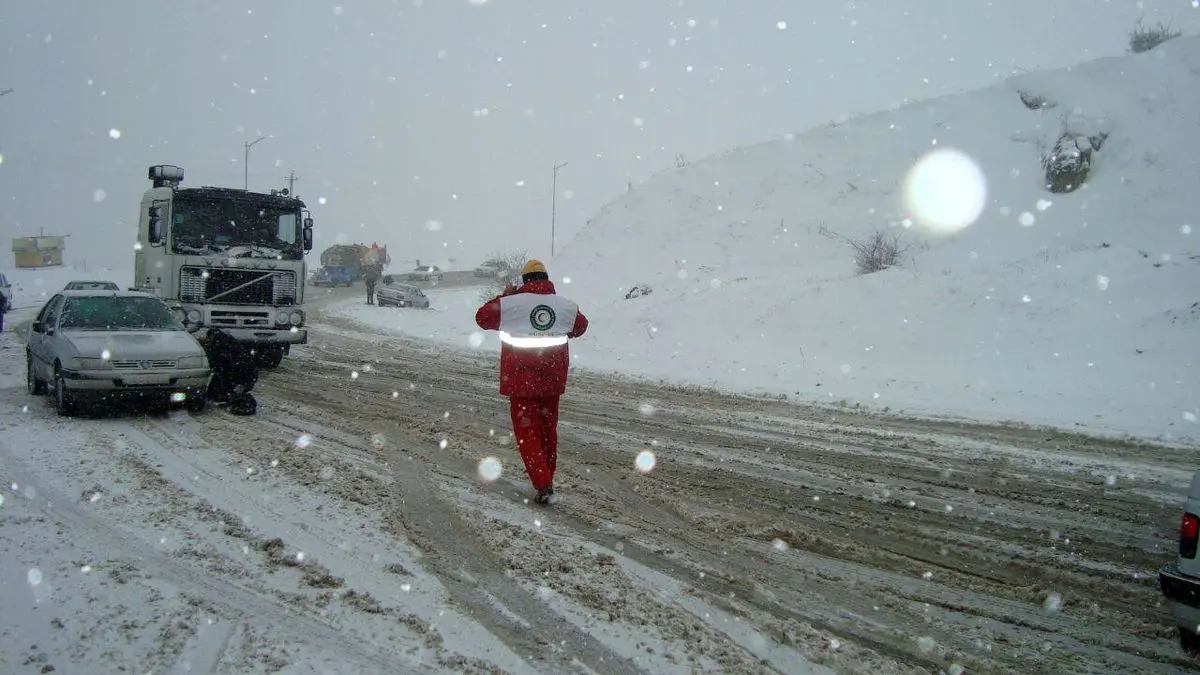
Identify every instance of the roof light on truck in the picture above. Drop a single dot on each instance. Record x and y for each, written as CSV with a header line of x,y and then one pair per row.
x,y
165,174
1189,533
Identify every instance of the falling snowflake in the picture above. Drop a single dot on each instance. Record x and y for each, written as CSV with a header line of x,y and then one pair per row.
x,y
490,469
1052,603
114,133
645,461
781,25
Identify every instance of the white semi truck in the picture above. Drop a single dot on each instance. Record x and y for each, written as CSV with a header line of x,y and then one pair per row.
x,y
229,262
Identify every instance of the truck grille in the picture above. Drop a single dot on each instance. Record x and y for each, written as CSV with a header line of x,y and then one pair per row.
x,y
137,365
197,284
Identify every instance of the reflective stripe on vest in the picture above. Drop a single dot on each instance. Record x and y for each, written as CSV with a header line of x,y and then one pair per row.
x,y
532,341
531,320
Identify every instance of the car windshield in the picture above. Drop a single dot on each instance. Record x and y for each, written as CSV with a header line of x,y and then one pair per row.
x,y
117,313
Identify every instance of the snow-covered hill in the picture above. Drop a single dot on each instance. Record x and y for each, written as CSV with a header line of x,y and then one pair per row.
x,y
1064,309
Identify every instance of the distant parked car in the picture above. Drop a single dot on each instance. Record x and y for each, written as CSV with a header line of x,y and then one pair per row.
x,y
333,275
91,286
401,295
425,273
1180,580
92,346
492,269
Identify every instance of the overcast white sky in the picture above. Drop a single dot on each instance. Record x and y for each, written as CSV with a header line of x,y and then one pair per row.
x,y
402,112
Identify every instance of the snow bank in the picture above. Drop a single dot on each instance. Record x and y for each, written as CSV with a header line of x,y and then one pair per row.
x,y
1068,310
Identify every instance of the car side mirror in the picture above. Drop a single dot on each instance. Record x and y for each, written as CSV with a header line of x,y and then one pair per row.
x,y
36,327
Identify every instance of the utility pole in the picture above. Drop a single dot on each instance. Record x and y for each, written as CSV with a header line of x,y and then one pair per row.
x,y
291,180
554,204
246,161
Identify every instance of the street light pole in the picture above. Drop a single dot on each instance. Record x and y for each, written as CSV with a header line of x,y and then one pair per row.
x,y
554,204
246,162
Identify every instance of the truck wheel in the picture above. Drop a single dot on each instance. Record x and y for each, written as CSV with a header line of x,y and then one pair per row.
x,y
1189,641
269,357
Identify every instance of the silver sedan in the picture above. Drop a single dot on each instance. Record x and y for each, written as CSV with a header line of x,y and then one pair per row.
x,y
91,346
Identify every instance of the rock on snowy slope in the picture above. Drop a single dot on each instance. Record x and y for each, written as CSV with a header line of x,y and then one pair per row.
x,y
1059,309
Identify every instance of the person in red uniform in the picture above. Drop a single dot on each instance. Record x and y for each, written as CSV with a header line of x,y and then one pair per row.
x,y
535,324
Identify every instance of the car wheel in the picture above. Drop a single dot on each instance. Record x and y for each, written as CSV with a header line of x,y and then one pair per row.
x,y
64,402
35,386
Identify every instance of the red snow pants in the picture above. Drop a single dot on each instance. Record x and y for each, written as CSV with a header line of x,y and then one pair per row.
x,y
535,425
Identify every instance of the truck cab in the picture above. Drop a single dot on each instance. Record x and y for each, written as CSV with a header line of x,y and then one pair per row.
x,y
1180,580
226,260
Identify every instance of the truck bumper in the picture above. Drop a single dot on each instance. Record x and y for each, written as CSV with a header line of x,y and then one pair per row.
x,y
279,337
1184,593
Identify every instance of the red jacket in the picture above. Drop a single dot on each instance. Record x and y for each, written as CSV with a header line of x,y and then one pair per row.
x,y
535,324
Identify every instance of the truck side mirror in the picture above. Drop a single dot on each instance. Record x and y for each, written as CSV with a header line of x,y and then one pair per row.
x,y
154,231
308,236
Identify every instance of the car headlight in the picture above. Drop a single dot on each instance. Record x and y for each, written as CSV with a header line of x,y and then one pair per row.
x,y
92,364
192,362
296,318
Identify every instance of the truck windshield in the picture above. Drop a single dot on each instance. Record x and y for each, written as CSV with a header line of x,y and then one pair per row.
x,y
240,228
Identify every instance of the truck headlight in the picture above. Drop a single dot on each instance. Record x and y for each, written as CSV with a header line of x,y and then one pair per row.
x,y
281,317
296,318
179,314
192,362
194,315
92,364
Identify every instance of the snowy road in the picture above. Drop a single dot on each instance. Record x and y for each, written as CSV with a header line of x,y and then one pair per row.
x,y
333,532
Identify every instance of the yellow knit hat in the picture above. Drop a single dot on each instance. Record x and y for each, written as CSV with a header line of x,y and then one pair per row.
x,y
533,267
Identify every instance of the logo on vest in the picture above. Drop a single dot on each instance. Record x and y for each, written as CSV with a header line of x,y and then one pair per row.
x,y
542,317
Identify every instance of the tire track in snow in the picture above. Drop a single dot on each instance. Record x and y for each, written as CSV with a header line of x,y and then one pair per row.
x,y
469,571
1012,489
232,598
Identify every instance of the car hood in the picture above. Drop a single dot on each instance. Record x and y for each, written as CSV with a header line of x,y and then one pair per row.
x,y
134,344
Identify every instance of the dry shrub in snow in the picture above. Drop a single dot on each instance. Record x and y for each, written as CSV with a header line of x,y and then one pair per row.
x,y
1069,164
878,251
638,290
1034,101
1145,38
511,262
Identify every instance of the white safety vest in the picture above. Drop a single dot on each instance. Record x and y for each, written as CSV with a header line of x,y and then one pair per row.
x,y
532,320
